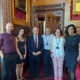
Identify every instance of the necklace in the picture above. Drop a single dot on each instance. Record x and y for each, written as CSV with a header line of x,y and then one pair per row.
x,y
21,38
57,43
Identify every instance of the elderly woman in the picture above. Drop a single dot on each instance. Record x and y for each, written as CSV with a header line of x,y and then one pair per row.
x,y
57,54
72,52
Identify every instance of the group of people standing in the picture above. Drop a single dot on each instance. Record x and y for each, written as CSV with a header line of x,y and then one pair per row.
x,y
13,52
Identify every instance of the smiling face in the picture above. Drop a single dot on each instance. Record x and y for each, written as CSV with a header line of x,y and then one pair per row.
x,y
9,27
57,33
71,30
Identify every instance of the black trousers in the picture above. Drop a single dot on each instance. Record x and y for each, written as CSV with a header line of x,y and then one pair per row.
x,y
34,64
9,66
48,64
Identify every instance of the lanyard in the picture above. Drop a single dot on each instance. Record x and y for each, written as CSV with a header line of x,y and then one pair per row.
x,y
47,39
57,42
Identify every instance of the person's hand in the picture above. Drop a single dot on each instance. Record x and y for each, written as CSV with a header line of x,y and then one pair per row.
x,y
24,56
38,53
1,54
21,57
52,56
78,58
34,53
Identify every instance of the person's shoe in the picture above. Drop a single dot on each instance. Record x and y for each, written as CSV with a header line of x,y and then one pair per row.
x,y
18,79
31,78
38,76
22,78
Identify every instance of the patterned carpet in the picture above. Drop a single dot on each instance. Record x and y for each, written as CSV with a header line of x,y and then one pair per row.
x,y
27,75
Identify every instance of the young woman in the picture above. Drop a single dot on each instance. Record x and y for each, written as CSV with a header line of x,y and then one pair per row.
x,y
57,54
72,52
21,50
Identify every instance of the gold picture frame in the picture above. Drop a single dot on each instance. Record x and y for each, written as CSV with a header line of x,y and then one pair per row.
x,y
21,5
16,20
76,6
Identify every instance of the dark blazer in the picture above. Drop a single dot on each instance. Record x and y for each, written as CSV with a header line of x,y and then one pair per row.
x,y
31,47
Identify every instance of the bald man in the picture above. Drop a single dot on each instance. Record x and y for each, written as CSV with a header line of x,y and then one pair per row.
x,y
48,65
8,53
35,48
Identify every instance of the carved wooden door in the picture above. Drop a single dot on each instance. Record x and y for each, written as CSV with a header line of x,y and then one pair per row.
x,y
52,22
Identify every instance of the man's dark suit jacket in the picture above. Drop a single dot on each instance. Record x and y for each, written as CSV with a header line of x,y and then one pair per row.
x,y
32,47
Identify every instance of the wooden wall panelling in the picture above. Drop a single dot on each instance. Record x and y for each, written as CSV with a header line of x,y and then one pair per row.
x,y
47,2
28,11
57,22
54,9
40,27
78,29
31,17
48,20
51,25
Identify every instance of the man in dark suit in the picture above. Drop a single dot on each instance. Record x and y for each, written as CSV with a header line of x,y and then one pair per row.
x,y
35,48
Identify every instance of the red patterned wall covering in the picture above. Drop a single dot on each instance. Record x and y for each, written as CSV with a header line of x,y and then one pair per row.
x,y
19,14
73,16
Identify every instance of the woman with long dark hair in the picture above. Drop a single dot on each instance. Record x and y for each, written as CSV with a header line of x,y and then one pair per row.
x,y
21,50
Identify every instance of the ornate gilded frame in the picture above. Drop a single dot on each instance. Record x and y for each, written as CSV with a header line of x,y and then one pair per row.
x,y
19,21
76,6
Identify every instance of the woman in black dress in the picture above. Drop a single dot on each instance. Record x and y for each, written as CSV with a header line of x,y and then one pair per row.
x,y
21,50
72,52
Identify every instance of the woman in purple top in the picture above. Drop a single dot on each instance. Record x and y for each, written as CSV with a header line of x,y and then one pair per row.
x,y
21,50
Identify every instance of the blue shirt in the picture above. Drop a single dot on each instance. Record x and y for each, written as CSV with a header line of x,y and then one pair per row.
x,y
46,40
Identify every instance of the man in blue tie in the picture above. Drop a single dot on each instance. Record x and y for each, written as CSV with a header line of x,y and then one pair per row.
x,y
35,48
48,64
